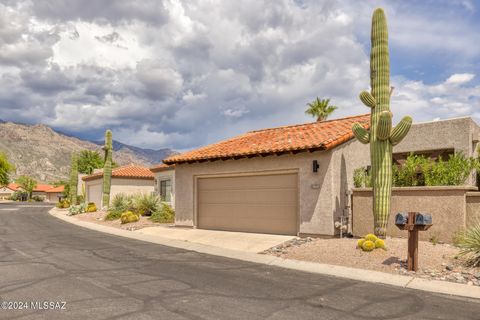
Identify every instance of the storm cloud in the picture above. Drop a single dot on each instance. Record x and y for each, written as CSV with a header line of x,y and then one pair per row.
x,y
181,74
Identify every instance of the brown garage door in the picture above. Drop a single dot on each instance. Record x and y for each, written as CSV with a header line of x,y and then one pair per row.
x,y
261,203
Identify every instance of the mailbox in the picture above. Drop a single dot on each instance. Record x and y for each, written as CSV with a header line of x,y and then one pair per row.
x,y
423,219
401,218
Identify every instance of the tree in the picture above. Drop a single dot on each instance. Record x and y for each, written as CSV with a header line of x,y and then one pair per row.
x,y
320,109
27,184
89,160
5,169
73,179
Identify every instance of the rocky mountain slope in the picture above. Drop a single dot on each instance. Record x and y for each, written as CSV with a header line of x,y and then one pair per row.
x,y
43,153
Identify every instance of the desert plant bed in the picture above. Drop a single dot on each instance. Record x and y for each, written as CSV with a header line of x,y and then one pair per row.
x,y
99,216
436,262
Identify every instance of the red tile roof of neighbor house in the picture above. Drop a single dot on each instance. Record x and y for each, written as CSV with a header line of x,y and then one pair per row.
x,y
56,189
129,172
13,186
162,167
314,136
42,187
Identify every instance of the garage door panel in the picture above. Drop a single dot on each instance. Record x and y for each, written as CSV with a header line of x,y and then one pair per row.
x,y
265,204
249,182
285,195
94,194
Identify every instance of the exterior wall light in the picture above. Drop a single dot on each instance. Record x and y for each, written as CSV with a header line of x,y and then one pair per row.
x,y
315,166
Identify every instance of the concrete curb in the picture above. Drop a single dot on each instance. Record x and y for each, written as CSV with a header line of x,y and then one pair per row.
x,y
410,282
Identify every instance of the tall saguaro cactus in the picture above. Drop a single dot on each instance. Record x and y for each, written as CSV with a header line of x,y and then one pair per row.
x,y
381,136
107,169
73,179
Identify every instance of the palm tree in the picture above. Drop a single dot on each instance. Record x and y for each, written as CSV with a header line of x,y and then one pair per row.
x,y
320,109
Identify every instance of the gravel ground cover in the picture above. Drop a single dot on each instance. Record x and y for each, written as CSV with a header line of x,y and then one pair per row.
x,y
437,261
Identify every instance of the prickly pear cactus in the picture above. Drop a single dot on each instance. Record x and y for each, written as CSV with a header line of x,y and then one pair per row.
x,y
107,169
381,135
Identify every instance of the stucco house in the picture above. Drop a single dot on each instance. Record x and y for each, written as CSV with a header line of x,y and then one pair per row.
x,y
8,190
55,194
285,180
129,179
164,183
41,190
294,179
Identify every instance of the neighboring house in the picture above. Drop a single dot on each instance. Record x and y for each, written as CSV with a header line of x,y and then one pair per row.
x,y
55,194
127,179
286,180
40,190
165,182
8,190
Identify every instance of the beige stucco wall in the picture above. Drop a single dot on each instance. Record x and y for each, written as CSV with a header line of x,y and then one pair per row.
x,y
473,208
120,185
53,196
163,175
447,205
5,192
319,201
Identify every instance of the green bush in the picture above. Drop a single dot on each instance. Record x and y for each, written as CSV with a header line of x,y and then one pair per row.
x,y
453,172
19,196
128,217
362,178
120,204
91,207
166,214
80,199
146,204
37,198
469,243
410,173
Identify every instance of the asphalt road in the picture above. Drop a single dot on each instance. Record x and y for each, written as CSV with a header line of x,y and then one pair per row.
x,y
100,276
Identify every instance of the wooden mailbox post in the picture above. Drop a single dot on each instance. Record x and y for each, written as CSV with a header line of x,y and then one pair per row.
x,y
413,222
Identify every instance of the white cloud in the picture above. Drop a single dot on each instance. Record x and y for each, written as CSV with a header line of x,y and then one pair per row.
x,y
460,78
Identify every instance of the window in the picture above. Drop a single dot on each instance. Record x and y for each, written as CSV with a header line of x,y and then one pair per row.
x,y
165,190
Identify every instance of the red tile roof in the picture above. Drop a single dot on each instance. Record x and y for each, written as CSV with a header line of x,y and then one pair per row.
x,y
314,136
129,172
13,186
162,167
42,187
56,189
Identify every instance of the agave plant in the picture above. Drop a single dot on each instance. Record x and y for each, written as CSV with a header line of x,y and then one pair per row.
x,y
469,243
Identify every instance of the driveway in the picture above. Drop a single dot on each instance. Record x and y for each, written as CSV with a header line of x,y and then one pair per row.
x,y
101,276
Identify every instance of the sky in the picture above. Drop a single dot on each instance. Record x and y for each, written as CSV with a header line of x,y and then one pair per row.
x,y
182,74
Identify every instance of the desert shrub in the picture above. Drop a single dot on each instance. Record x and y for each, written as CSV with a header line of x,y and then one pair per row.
x,y
469,243
368,245
37,198
120,204
77,209
91,207
165,214
146,204
128,217
80,199
65,203
19,196
362,178
453,172
410,173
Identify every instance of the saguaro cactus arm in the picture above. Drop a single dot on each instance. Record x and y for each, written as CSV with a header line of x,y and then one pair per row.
x,y
400,130
361,133
384,125
367,99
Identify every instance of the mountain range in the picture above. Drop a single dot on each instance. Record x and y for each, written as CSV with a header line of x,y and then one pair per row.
x,y
43,153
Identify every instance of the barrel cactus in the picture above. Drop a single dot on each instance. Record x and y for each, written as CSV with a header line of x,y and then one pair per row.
x,y
368,245
381,136
107,169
